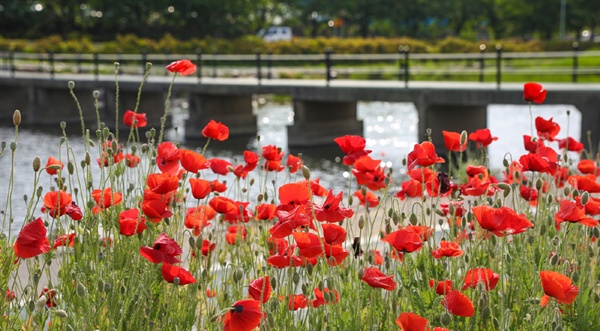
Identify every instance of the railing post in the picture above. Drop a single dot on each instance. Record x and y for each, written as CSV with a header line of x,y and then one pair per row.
x,y
258,69
269,64
482,48
575,61
96,66
11,63
78,61
406,65
199,64
51,63
41,62
328,51
498,66
214,63
166,53
144,60
400,63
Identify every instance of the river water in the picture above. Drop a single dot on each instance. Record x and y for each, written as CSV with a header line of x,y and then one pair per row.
x,y
390,130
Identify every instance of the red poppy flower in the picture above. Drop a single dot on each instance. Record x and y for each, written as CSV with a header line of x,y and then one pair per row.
x,y
32,240
211,293
164,250
501,221
528,193
10,295
375,278
64,240
558,286
353,147
288,220
447,249
298,301
442,287
260,289
167,158
412,322
293,163
369,172
244,315
452,208
532,144
50,297
183,67
200,188
310,244
216,131
294,193
570,212
162,183
106,198
411,188
251,160
585,183
131,222
319,300
197,218
367,197
220,166
483,276
570,144
483,137
207,247
315,187
265,211
284,259
192,161
132,160
404,240
452,141
273,156
134,120
53,165
175,274
56,203
546,129
534,92
458,304
545,161
155,209
423,155
587,166
330,210
333,234
234,232
423,231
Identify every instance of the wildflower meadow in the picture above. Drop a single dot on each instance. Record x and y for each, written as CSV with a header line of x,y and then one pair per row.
x,y
139,233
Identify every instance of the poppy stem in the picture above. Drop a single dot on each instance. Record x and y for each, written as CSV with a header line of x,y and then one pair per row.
x,y
167,103
531,118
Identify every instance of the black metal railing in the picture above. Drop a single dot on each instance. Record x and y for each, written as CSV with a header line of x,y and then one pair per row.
x,y
496,67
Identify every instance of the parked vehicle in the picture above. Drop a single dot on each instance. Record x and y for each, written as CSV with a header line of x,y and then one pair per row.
x,y
275,33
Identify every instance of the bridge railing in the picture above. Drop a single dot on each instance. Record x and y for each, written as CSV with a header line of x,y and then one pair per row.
x,y
483,66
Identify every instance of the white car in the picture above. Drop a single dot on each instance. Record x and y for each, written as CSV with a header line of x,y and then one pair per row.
x,y
275,33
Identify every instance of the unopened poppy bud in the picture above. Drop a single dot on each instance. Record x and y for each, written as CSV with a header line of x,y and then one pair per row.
x,y
505,163
305,172
361,222
575,276
413,219
486,313
176,280
463,137
428,133
81,290
61,313
437,211
238,275
585,198
2,146
596,232
320,286
96,94
88,158
504,187
539,183
17,117
13,146
446,319
361,272
296,278
274,282
37,164
350,200
152,132
40,302
107,287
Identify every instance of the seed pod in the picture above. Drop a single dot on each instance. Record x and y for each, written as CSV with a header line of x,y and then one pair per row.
x,y
61,313
37,164
17,117
305,172
13,146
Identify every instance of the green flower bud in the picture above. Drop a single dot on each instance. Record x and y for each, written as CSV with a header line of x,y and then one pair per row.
x,y
17,117
37,164
71,84
61,313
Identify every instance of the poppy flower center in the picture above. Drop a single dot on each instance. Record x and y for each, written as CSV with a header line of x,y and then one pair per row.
x,y
238,309
327,206
157,246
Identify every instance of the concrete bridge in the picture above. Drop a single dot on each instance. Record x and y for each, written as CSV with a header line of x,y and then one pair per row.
x,y
323,110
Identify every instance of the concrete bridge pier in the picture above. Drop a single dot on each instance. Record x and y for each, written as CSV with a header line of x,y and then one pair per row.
x,y
13,98
235,111
48,106
319,122
439,117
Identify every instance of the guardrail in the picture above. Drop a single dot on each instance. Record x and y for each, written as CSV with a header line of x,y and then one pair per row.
x,y
404,65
